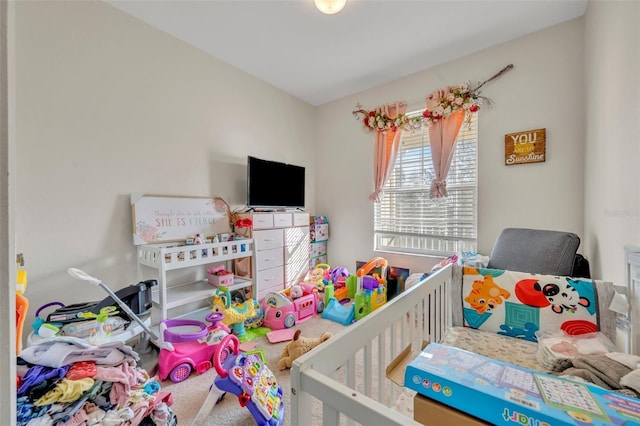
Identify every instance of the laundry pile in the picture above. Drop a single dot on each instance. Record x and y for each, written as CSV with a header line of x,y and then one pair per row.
x,y
66,381
557,350
614,371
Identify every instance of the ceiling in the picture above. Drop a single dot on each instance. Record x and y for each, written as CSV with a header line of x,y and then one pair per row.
x,y
320,58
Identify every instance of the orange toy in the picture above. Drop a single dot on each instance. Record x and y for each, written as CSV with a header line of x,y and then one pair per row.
x,y
22,305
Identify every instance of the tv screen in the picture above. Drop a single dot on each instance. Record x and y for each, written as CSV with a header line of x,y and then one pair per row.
x,y
274,184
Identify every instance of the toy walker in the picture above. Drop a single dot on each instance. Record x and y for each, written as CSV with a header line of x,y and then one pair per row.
x,y
249,378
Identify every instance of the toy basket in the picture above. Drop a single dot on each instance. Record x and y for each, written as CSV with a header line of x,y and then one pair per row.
x,y
221,279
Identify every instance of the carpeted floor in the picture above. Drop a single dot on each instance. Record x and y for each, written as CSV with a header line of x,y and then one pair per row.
x,y
190,402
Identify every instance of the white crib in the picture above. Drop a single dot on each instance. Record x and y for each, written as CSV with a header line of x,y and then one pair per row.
x,y
343,380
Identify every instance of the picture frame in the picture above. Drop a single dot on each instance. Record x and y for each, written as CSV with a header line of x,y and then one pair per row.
x,y
176,218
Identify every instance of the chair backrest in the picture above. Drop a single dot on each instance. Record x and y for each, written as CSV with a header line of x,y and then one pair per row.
x,y
535,251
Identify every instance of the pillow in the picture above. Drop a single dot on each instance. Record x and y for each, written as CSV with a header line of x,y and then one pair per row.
x,y
518,304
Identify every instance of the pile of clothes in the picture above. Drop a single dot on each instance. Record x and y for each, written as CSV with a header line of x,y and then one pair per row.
x,y
67,381
615,371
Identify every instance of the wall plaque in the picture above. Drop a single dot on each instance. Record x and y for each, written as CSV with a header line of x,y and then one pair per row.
x,y
525,147
168,218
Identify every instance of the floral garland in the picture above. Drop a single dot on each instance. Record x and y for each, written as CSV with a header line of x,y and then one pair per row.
x,y
455,98
464,97
381,122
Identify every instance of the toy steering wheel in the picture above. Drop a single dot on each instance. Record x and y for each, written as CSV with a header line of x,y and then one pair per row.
x,y
172,337
230,341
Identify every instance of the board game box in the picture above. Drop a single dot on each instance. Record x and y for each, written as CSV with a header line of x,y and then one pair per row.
x,y
505,394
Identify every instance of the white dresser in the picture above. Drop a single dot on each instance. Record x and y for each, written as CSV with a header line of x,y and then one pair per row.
x,y
281,249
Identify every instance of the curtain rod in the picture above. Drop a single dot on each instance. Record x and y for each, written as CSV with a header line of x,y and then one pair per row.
x,y
493,77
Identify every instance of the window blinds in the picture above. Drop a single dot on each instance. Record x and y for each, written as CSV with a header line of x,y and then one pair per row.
x,y
408,221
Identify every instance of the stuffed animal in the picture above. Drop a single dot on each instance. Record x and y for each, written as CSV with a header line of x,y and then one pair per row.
x,y
298,347
296,291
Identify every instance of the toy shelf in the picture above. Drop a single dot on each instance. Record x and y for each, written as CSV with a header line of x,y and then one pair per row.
x,y
164,258
179,256
181,294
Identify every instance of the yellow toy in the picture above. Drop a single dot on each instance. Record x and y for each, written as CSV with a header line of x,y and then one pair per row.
x,y
298,347
318,275
235,314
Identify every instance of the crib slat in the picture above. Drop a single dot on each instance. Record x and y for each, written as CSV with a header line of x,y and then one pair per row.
x,y
368,371
380,370
303,400
330,416
350,372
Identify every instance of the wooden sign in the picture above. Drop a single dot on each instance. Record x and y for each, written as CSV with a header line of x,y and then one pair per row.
x,y
166,218
525,147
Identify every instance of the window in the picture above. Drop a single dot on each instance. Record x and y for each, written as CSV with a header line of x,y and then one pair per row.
x,y
408,221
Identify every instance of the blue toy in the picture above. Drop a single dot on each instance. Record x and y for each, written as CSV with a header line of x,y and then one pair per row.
x,y
334,311
247,376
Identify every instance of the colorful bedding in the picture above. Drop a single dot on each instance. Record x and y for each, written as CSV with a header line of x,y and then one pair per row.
x,y
517,304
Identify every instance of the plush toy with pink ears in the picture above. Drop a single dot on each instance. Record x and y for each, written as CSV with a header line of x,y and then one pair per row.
x,y
295,291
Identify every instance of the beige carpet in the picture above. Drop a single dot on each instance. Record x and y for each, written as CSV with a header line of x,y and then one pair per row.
x,y
190,402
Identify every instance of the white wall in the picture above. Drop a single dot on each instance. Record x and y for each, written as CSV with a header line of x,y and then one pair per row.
x,y
7,193
544,90
612,175
107,106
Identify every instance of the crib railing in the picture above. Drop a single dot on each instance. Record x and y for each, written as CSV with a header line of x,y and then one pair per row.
x,y
343,380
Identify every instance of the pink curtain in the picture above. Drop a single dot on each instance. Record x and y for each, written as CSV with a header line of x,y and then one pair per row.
x,y
442,138
386,149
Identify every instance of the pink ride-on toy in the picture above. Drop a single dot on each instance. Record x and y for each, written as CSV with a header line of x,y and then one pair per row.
x,y
281,311
182,353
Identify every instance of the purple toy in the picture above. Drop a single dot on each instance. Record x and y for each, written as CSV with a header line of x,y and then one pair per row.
x,y
249,378
370,283
181,353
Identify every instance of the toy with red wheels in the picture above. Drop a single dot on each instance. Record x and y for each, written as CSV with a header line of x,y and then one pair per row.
x,y
182,353
249,378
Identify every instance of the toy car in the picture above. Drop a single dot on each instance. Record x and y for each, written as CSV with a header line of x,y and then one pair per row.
x,y
281,311
180,353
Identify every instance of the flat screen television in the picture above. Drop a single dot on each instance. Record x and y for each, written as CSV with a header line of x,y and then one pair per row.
x,y
274,184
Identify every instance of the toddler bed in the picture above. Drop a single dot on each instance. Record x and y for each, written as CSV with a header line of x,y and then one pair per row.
x,y
343,380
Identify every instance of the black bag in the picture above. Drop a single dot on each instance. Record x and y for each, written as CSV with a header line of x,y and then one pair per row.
x,y
580,267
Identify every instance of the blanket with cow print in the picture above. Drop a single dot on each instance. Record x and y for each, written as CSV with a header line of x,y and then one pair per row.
x,y
517,304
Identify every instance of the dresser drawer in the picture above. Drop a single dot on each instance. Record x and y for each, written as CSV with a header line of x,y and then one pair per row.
x,y
301,219
297,252
262,220
282,220
269,259
296,236
270,280
268,239
295,272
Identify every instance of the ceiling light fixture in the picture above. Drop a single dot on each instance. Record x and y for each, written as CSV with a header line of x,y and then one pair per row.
x,y
330,6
